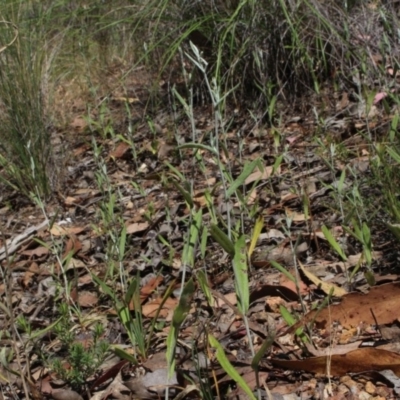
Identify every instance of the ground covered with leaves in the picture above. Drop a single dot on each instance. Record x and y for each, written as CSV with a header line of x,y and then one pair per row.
x,y
197,242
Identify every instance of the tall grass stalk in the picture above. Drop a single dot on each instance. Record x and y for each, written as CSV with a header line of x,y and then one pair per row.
x,y
25,137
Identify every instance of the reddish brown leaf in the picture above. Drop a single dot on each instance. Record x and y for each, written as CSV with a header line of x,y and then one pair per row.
x,y
121,150
72,247
356,308
149,288
360,360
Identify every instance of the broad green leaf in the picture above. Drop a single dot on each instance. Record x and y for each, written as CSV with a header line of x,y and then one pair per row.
x,y
175,171
340,184
268,342
48,328
367,243
393,153
256,234
184,304
121,353
240,270
5,309
188,256
171,348
289,319
221,237
277,164
247,170
332,241
186,195
181,100
205,287
107,290
132,289
228,367
179,316
203,242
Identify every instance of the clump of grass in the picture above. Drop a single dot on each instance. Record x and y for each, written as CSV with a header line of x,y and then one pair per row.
x,y
259,49
25,145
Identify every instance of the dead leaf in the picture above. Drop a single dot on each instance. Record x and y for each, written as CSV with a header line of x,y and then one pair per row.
x,y
136,227
72,247
150,309
324,286
337,349
147,290
296,216
121,150
58,230
357,308
360,360
87,299
39,251
258,175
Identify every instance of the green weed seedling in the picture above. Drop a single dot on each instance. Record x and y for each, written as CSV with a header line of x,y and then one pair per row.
x,y
139,335
83,361
363,235
104,124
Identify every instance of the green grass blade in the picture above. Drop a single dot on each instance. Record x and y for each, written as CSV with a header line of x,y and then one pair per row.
x,y
256,234
223,239
188,255
240,270
247,170
332,241
229,368
289,319
186,195
179,316
205,287
268,342
121,353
